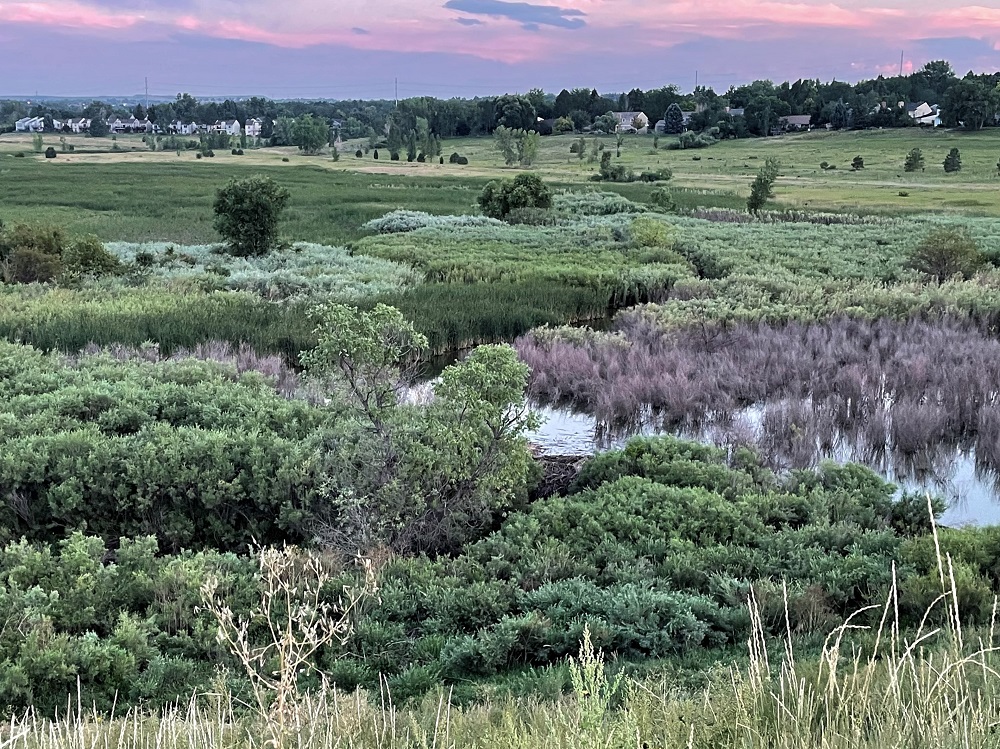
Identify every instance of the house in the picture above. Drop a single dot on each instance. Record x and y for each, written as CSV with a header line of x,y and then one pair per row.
x,y
923,113
78,124
30,125
179,127
795,122
631,122
135,125
117,124
252,127
735,111
230,127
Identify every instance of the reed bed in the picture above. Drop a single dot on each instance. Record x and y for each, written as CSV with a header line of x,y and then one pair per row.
x,y
884,386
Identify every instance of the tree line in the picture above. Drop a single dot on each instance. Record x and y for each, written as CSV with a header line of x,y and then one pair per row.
x,y
971,101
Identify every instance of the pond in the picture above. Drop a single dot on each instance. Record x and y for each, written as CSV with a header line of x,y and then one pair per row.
x,y
949,471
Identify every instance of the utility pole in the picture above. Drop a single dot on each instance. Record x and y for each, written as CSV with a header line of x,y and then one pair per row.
x,y
147,92
696,80
901,62
395,82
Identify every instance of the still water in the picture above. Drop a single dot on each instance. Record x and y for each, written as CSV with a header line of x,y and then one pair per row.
x,y
950,472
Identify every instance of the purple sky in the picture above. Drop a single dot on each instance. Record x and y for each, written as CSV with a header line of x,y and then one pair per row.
x,y
353,49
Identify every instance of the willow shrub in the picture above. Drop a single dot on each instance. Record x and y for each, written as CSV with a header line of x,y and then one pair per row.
x,y
188,451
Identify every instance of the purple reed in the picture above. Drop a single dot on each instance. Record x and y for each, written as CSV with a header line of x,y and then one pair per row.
x,y
903,386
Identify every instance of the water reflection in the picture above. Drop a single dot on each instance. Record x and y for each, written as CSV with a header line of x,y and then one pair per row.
x,y
950,471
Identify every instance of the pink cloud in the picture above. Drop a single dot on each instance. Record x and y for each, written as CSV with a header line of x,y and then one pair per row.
x,y
416,27
72,15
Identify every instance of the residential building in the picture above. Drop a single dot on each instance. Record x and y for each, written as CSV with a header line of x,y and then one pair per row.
x,y
631,122
252,127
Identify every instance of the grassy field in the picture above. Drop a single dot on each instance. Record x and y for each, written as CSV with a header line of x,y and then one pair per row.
x,y
137,195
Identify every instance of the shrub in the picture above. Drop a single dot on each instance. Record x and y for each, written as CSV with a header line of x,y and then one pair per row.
x,y
247,212
375,154
233,152
914,160
358,154
401,220
441,159
500,197
663,199
285,159
593,203
88,256
858,163
198,155
762,188
657,175
946,252
50,152
953,161
394,156
462,161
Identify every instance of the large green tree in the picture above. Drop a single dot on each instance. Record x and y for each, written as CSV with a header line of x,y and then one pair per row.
x,y
971,103
310,134
247,212
673,119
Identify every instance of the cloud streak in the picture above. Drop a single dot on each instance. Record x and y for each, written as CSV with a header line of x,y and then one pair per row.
x,y
530,16
574,42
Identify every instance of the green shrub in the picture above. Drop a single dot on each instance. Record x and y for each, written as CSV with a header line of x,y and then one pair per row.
x,y
247,212
500,197
946,252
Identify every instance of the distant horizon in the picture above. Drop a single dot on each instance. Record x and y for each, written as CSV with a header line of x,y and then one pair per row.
x,y
604,91
307,49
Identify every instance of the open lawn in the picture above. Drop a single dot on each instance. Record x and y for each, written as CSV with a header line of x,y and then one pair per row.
x,y
137,195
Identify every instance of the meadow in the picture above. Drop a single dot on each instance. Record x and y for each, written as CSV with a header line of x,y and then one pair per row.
x,y
163,416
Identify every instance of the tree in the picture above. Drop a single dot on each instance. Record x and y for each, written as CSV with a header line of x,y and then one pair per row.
x,y
504,140
98,126
515,112
673,120
914,161
411,146
762,188
946,252
527,147
500,197
970,103
310,134
563,125
416,477
50,152
247,212
37,143
858,163
606,123
619,142
139,112
953,161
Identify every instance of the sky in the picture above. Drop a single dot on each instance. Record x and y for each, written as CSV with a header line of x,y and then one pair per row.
x,y
369,49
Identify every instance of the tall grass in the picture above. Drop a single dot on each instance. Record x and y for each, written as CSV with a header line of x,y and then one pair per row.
x,y
923,689
68,320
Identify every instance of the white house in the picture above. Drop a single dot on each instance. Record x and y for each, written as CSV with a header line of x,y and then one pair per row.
x,y
230,127
924,113
30,125
78,124
117,124
180,127
631,122
252,127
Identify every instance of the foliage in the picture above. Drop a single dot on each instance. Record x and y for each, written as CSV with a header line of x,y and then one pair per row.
x,y
516,146
858,163
953,161
946,252
30,254
500,197
914,161
762,188
187,451
674,119
403,221
417,478
247,212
